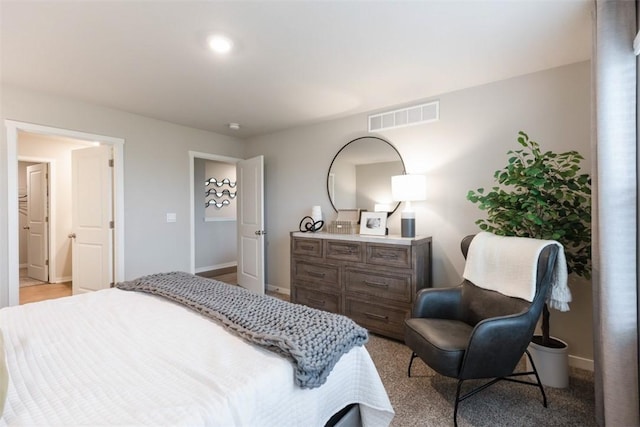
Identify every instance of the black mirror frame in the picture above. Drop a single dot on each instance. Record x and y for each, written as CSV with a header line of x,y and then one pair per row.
x,y
404,168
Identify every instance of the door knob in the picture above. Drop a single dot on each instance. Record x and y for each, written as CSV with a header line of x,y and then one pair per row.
x,y
26,227
72,235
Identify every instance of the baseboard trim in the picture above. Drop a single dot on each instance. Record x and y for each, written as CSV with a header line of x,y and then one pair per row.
x,y
581,363
63,279
277,289
216,267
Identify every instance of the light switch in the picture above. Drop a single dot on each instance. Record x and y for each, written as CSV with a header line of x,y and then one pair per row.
x,y
171,217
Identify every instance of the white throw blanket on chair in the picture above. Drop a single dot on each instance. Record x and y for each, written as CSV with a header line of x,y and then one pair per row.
x,y
509,265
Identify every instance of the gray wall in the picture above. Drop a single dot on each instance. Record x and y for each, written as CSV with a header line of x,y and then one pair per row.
x,y
156,173
460,152
215,233
374,184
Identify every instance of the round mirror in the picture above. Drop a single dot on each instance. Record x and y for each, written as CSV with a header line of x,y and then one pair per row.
x,y
360,175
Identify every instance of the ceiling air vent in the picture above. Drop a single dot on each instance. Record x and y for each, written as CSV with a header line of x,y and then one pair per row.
x,y
415,115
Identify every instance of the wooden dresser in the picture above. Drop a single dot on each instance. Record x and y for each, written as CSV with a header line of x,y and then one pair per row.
x,y
371,279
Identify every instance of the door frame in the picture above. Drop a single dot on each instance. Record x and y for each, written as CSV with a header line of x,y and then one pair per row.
x,y
193,155
51,206
10,294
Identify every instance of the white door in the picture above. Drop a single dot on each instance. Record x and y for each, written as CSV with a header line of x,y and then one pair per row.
x,y
250,178
91,218
38,222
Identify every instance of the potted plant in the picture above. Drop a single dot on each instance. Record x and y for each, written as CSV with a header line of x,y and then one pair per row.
x,y
542,195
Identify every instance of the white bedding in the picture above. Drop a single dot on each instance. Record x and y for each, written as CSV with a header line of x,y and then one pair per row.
x,y
127,358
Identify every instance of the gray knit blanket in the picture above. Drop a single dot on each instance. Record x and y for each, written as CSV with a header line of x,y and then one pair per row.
x,y
314,340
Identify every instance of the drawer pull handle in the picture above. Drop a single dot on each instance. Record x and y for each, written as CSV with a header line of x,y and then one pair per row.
x,y
344,251
376,284
307,247
315,301
376,316
318,274
389,256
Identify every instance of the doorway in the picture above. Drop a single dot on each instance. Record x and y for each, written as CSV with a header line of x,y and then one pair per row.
x,y
34,219
213,225
249,224
15,133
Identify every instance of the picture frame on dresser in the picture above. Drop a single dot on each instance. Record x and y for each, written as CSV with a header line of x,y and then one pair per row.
x,y
373,223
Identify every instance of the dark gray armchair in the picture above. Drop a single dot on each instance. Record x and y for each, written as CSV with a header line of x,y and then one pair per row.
x,y
468,332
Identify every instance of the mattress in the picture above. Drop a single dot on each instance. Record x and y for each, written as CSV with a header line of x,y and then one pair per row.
x,y
125,358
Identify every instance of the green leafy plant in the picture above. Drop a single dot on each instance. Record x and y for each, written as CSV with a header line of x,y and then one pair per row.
x,y
541,195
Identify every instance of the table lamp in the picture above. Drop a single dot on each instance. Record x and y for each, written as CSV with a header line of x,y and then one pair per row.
x,y
408,188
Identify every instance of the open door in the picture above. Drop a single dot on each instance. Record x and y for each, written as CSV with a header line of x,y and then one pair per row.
x,y
38,222
92,218
250,185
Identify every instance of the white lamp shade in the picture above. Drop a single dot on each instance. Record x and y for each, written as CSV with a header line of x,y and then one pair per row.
x,y
408,187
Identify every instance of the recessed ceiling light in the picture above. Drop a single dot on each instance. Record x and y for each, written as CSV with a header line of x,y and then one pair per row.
x,y
234,126
220,44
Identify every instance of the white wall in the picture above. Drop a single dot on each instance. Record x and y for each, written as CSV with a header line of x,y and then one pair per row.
x,y
156,174
458,153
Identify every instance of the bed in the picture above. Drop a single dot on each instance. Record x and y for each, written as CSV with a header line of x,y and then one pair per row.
x,y
121,357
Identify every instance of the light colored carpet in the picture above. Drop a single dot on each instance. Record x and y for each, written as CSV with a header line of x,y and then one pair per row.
x,y
25,280
426,399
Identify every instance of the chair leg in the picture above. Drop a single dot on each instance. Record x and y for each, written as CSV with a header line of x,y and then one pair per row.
x,y
535,371
459,398
413,356
455,407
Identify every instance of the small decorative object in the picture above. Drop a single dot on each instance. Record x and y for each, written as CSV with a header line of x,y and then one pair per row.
x,y
219,204
408,188
352,215
341,227
218,194
316,214
307,224
225,181
373,223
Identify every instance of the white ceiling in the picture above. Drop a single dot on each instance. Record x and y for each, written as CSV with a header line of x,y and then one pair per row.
x,y
295,62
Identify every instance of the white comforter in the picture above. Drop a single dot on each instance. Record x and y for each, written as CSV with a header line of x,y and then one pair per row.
x,y
126,358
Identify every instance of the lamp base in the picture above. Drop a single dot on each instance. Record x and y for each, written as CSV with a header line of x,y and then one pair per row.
x,y
408,224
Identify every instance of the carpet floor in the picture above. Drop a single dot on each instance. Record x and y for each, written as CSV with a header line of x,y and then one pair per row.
x,y
426,399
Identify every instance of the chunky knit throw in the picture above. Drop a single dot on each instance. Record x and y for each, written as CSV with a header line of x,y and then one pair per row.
x,y
313,339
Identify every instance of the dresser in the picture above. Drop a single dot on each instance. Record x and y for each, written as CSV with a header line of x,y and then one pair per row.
x,y
371,279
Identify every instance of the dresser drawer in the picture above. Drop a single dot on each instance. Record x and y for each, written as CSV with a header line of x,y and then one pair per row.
x,y
381,319
372,280
390,286
392,256
319,300
344,251
324,274
310,247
